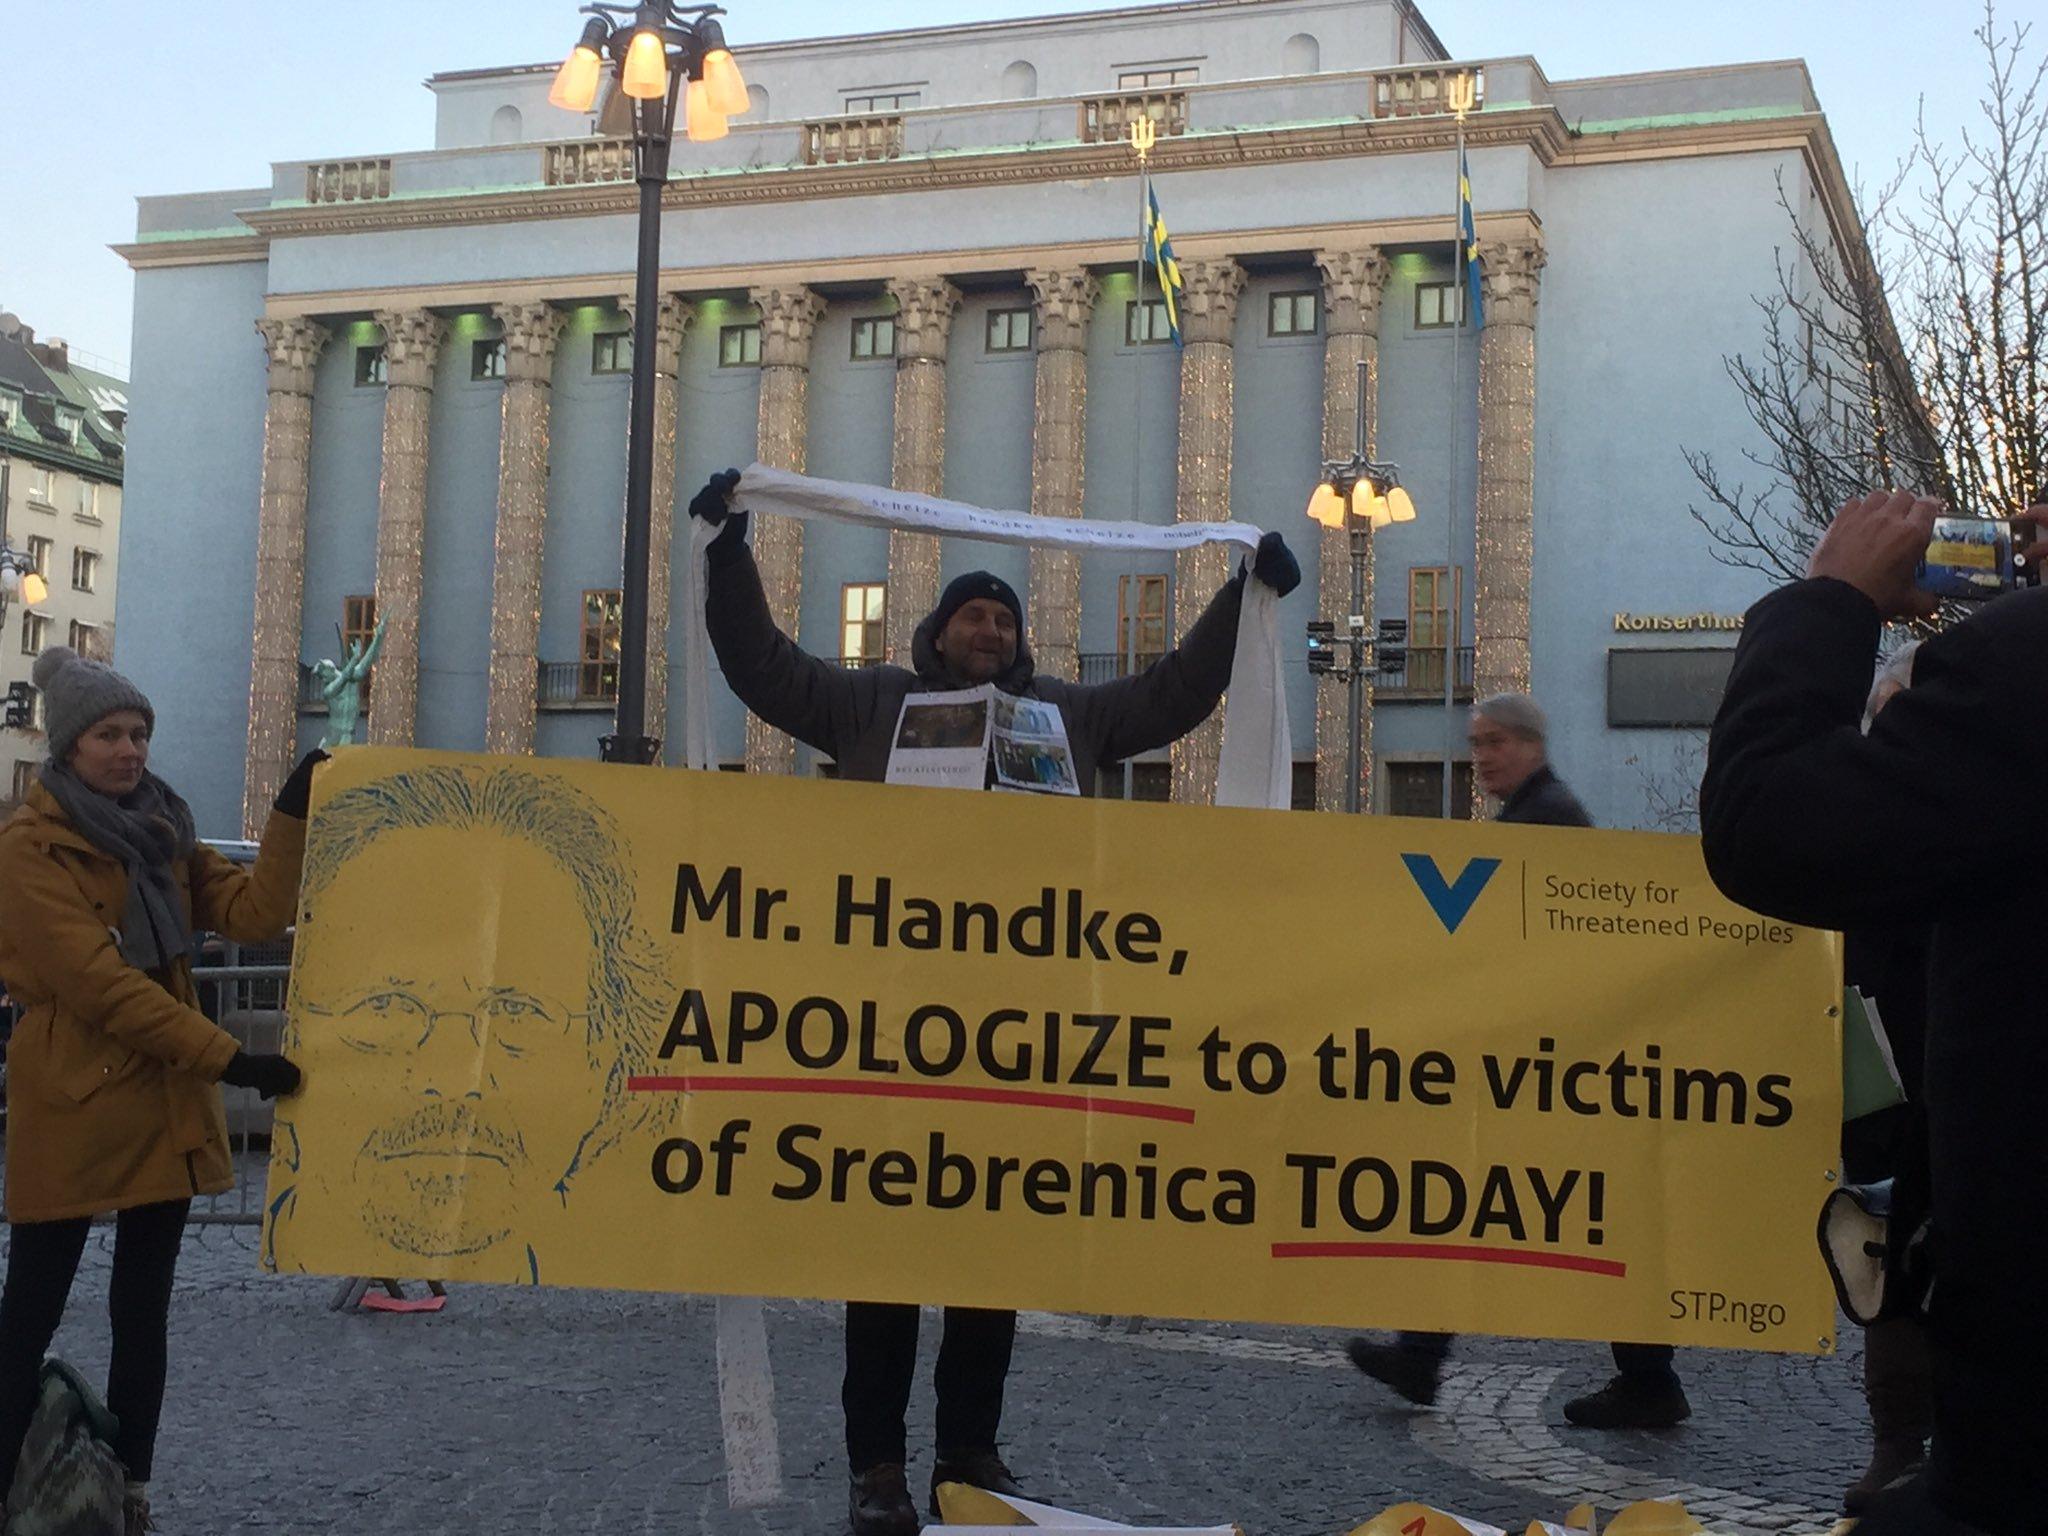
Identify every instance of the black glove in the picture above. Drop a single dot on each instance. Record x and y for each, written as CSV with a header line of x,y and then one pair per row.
x,y
1275,565
714,505
270,1075
297,793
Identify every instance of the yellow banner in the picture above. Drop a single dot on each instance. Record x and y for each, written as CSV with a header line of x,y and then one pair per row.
x,y
573,1024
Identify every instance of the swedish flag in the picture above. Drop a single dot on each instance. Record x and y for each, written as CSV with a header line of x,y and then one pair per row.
x,y
1475,300
1159,256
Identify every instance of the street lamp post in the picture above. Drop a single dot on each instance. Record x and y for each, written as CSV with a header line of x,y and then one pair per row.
x,y
1359,496
661,54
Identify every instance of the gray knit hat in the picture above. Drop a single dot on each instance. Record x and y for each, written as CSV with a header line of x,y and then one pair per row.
x,y
78,694
1516,712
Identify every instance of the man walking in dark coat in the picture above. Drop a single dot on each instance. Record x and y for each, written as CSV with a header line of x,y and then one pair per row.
x,y
974,637
1934,814
1511,759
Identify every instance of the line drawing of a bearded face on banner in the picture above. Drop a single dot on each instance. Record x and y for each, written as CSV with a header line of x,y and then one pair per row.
x,y
504,928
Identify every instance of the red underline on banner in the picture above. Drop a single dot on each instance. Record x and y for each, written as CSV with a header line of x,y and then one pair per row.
x,y
1457,1252
1028,1099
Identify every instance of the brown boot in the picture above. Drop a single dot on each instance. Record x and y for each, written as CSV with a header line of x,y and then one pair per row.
x,y
1898,1380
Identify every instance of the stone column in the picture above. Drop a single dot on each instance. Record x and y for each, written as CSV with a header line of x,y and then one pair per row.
x,y
1352,283
924,320
671,320
531,331
412,344
1207,371
1065,301
1504,524
789,318
293,347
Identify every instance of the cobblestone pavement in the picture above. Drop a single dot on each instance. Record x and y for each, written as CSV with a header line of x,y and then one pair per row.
x,y
517,1410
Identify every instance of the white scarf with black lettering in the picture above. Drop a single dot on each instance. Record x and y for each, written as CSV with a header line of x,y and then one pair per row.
x,y
1256,764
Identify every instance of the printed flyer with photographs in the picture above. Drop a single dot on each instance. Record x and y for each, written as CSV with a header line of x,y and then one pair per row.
x,y
981,738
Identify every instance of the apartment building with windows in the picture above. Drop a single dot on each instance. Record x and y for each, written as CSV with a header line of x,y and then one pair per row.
x,y
62,430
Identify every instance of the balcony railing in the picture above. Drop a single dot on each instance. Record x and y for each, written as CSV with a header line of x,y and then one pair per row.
x,y
855,663
1421,676
592,685
1108,666
587,162
1108,119
1418,92
843,140
348,181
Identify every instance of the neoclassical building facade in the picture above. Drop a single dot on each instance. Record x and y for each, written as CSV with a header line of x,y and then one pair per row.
x,y
394,387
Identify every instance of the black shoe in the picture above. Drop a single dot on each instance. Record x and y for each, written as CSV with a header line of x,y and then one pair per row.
x,y
1412,1372
879,1503
977,1469
1632,1402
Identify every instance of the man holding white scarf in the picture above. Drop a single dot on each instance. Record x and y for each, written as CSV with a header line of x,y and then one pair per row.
x,y
974,637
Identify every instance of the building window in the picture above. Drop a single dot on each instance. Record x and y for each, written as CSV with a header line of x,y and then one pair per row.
x,y
358,622
1146,324
1417,789
1667,689
612,353
24,778
1155,77
874,337
369,365
862,605
40,549
1149,781
40,485
35,632
1293,314
487,359
68,423
1140,621
1009,330
597,670
87,506
871,102
10,412
1432,626
739,346
85,639
1439,306
85,569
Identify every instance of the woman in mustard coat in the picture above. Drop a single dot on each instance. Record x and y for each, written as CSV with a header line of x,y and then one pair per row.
x,y
112,1071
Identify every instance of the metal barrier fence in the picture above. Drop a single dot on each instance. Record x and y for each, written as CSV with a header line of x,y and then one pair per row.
x,y
242,988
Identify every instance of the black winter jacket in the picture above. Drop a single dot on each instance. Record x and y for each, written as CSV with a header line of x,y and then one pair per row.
x,y
850,713
1935,814
1543,800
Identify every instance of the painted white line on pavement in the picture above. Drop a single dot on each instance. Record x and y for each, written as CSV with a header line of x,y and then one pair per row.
x,y
746,1405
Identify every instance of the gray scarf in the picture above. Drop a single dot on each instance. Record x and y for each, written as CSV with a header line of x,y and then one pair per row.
x,y
149,830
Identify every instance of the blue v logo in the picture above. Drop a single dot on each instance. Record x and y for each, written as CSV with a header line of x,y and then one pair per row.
x,y
1449,901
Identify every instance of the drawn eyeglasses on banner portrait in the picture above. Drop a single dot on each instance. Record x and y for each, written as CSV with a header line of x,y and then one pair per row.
x,y
391,1021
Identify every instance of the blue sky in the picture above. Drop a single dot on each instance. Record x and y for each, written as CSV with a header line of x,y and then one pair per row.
x,y
122,98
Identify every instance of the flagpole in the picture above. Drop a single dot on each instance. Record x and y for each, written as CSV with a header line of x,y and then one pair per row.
x,y
1454,604
1144,134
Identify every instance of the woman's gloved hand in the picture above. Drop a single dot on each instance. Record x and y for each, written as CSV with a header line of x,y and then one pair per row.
x,y
270,1074
1275,565
714,505
297,794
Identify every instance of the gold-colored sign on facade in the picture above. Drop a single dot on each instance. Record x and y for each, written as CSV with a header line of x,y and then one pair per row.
x,y
1676,623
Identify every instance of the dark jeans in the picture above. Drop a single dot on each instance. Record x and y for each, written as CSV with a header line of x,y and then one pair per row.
x,y
881,1363
42,1259
1644,1361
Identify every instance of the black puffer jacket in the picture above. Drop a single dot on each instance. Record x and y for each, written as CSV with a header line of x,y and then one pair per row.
x,y
851,713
